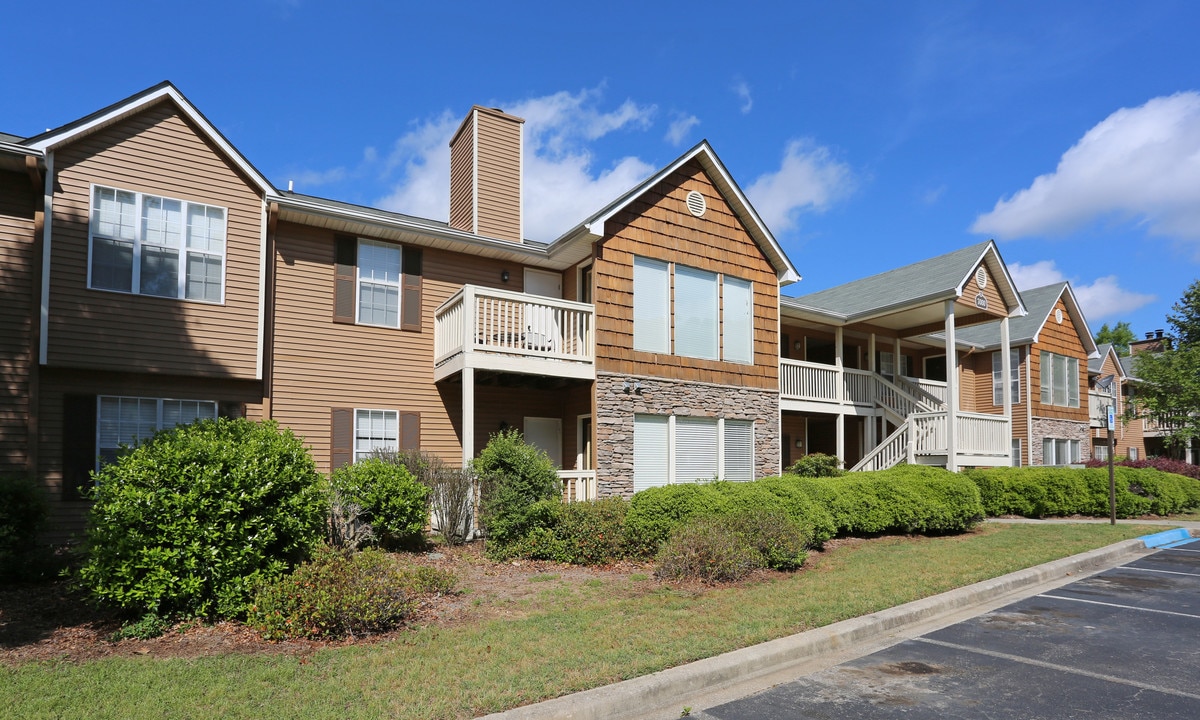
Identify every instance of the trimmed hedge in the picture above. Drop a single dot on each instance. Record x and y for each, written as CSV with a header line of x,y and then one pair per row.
x,y
1058,491
581,533
392,501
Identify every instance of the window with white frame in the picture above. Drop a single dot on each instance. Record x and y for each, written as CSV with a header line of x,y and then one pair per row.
x,y
375,430
1014,374
1016,452
1060,380
713,313
887,364
683,449
379,283
126,421
1057,451
150,245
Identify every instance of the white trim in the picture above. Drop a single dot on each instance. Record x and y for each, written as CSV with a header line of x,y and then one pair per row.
x,y
582,458
399,284
54,140
47,225
521,182
475,171
262,294
354,440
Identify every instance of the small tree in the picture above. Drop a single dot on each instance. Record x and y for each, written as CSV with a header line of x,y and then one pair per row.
x,y
514,476
1119,336
1169,391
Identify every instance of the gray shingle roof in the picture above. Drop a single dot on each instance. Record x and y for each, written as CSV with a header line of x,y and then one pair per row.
x,y
935,277
1127,366
1096,363
1021,330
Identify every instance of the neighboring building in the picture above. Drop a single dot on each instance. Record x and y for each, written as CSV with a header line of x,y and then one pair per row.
x,y
1110,383
1153,434
151,276
863,378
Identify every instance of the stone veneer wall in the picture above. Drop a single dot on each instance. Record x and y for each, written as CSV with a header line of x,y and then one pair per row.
x,y
615,410
1060,430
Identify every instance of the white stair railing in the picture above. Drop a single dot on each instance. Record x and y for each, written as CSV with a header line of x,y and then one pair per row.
x,y
889,453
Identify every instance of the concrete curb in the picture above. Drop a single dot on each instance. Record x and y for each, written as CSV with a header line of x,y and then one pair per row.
x,y
667,689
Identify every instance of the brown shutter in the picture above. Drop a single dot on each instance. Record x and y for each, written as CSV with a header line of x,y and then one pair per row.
x,y
341,437
410,431
344,272
231,410
79,444
410,290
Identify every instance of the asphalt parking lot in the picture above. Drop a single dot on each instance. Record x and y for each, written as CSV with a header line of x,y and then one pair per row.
x,y
1124,643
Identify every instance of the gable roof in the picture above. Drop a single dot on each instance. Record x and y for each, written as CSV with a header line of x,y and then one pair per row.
x,y
162,92
939,278
1039,302
592,228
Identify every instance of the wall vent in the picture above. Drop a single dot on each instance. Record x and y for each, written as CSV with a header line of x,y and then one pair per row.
x,y
696,204
981,277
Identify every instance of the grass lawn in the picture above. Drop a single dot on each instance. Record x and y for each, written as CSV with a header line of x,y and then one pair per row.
x,y
572,636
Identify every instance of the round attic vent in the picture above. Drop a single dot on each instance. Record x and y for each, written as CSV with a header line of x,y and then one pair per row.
x,y
981,278
1058,316
696,204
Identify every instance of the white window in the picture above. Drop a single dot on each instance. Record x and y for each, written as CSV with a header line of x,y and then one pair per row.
x,y
738,320
682,449
651,305
151,245
700,314
375,430
887,364
378,283
1060,380
129,420
1100,452
1016,452
1056,451
1014,369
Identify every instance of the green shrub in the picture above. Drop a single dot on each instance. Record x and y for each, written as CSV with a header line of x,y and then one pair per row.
x,y
906,498
514,476
335,595
149,627
192,520
817,465
391,500
452,490
708,549
801,506
779,540
581,533
1059,491
22,512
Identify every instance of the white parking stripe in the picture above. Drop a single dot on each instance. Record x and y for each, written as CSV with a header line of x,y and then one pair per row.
x,y
1165,572
1123,607
1052,666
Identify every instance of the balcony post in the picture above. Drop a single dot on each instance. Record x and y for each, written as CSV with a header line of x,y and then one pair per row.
x,y
838,349
468,415
872,423
1006,369
469,320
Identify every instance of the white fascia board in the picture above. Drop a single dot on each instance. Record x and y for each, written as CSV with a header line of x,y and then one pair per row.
x,y
49,142
1080,322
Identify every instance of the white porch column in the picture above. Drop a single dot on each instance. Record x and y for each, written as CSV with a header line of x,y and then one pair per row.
x,y
841,437
951,391
872,420
468,415
838,350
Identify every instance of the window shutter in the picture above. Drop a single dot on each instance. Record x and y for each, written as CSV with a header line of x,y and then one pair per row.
x,y
695,449
739,450
651,305
410,431
231,410
410,289
79,444
344,276
341,438
650,451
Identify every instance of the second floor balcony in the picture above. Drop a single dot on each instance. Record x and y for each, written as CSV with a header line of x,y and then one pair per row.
x,y
507,331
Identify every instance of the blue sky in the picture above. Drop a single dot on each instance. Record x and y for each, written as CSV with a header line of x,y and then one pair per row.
x,y
867,134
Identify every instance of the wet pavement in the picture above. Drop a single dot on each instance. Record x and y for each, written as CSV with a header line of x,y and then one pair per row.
x,y
1124,643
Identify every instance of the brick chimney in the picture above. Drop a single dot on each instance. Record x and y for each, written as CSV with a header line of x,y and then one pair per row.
x,y
485,175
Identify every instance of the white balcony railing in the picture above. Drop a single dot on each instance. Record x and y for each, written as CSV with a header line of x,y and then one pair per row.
x,y
800,380
578,485
978,434
514,325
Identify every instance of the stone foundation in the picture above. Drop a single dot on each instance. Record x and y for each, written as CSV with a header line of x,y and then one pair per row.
x,y
1059,430
615,409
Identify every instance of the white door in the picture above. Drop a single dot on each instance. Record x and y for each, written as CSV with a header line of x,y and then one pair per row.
x,y
541,326
545,434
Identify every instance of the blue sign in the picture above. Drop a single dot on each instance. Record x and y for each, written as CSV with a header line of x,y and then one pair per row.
x,y
1112,418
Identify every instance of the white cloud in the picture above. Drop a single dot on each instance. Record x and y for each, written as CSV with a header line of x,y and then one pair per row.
x,y
680,127
1102,298
561,186
1139,163
808,179
932,196
742,90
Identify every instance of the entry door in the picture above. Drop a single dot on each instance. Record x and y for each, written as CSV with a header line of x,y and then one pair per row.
x,y
541,327
546,434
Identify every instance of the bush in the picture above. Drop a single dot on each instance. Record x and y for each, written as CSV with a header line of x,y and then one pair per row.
x,y
340,594
780,541
451,490
817,465
193,519
22,511
906,498
1167,465
1058,491
581,533
708,549
390,499
514,476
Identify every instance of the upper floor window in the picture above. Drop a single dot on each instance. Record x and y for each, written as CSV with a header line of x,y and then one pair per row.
x,y
151,245
1059,380
378,283
699,314
1014,370
887,364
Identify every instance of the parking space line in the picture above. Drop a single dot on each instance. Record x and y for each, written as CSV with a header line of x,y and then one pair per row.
x,y
1052,666
1122,607
1179,549
1166,572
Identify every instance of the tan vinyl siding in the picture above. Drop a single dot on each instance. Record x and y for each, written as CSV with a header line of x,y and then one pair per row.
x,y
462,179
66,518
659,226
17,315
499,152
981,391
1060,340
991,291
158,152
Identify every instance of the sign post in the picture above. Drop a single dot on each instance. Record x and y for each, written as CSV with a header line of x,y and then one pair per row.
x,y
1112,480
